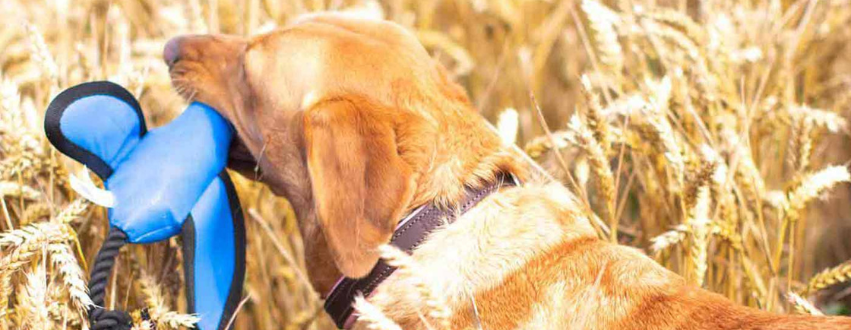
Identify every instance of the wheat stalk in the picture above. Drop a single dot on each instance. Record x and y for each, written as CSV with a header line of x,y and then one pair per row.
x,y
5,292
14,189
659,133
26,242
32,305
539,145
62,313
71,212
144,325
828,277
747,175
596,119
699,224
828,120
669,238
10,102
802,306
682,21
72,276
729,234
175,320
373,316
435,303
161,313
40,52
584,139
603,22
800,145
507,126
33,235
813,185
35,211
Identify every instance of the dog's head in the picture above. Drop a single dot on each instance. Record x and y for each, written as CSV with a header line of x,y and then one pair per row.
x,y
350,119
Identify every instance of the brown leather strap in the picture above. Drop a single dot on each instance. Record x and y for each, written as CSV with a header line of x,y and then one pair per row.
x,y
410,234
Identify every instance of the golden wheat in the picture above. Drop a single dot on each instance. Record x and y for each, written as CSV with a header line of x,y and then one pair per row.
x,y
435,303
373,316
802,306
32,309
829,277
585,139
703,133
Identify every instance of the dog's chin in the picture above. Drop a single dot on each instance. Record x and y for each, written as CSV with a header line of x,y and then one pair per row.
x,y
241,160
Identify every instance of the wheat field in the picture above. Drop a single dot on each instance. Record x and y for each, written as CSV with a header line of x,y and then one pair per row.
x,y
711,134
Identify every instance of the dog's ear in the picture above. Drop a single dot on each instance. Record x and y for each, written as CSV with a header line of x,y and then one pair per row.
x,y
361,185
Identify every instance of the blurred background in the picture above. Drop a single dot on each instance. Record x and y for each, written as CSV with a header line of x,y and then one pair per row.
x,y
711,129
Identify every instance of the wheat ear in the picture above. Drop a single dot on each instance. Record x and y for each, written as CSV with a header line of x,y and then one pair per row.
x,y
436,305
32,306
72,275
699,223
802,306
829,277
40,53
813,185
585,140
160,312
603,22
669,238
373,316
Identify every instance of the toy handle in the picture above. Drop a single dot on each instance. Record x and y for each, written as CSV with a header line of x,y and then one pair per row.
x,y
99,318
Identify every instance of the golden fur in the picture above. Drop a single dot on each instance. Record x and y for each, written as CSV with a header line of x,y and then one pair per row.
x,y
356,125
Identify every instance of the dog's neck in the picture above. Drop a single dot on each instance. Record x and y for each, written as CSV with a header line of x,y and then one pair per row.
x,y
409,234
481,248
463,154
445,167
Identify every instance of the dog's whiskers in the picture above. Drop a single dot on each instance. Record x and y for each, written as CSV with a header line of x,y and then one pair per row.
x,y
191,97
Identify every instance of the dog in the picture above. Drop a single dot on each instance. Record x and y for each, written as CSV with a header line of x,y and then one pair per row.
x,y
357,126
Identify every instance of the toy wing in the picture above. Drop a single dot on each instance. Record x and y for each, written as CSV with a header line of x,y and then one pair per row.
x,y
168,181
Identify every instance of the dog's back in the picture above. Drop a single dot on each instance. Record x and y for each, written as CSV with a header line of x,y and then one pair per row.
x,y
526,258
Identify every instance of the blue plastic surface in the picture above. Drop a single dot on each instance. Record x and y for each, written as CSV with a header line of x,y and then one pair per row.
x,y
159,182
214,259
160,179
106,126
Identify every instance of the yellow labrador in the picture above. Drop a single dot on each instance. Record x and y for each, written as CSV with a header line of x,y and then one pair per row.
x,y
357,126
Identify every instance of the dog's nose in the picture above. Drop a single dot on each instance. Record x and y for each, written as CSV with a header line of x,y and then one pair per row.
x,y
171,51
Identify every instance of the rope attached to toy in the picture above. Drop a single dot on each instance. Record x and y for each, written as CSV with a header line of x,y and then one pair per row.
x,y
100,318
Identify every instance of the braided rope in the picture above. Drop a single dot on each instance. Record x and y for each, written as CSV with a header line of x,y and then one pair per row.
x,y
100,318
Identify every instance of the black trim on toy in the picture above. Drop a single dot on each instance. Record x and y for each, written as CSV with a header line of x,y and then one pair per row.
x,y
56,109
188,237
235,292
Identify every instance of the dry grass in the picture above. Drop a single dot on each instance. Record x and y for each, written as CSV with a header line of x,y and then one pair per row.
x,y
704,133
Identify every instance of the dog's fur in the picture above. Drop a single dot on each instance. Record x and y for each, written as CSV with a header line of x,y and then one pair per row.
x,y
356,125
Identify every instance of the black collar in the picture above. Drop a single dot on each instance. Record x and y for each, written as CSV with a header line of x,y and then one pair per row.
x,y
409,234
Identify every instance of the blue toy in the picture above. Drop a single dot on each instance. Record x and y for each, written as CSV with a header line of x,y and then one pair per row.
x,y
167,181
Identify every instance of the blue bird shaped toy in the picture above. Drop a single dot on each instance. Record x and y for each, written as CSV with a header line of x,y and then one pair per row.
x,y
164,182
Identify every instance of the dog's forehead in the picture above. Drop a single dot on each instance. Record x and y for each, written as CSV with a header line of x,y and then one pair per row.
x,y
330,34
320,59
